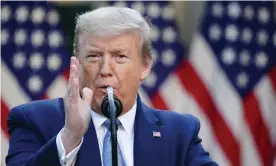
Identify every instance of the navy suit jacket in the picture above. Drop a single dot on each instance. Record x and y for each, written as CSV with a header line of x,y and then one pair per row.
x,y
33,128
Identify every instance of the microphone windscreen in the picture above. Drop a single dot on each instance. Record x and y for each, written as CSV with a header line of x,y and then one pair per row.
x,y
105,106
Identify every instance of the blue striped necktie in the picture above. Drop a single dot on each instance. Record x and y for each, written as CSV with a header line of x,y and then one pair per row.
x,y
107,150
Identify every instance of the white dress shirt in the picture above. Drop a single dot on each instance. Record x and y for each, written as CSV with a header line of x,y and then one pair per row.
x,y
125,136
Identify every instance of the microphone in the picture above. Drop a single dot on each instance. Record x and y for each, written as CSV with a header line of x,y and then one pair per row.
x,y
108,101
112,107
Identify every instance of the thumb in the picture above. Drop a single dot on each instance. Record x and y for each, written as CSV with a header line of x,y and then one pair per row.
x,y
87,95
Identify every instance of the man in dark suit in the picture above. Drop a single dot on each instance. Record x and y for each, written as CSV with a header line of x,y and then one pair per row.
x,y
112,49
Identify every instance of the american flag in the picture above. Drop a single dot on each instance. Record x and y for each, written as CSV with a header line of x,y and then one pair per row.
x,y
34,61
228,80
156,134
231,75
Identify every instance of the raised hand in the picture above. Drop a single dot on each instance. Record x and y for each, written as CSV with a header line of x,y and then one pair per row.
x,y
77,110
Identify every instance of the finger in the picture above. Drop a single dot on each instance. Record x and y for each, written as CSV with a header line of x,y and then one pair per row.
x,y
73,75
75,91
76,67
69,85
74,71
87,95
75,62
71,69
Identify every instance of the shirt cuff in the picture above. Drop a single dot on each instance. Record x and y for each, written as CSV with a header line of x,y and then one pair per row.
x,y
66,160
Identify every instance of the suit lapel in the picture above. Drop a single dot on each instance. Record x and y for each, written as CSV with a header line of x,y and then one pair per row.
x,y
148,150
89,153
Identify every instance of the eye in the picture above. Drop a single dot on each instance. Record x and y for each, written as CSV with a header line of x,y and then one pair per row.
x,y
93,57
121,58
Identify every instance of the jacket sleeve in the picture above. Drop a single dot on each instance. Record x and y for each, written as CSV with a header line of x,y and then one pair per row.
x,y
196,153
26,145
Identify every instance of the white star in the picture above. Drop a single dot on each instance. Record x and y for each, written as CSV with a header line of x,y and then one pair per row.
x,y
155,33
54,39
261,60
168,12
53,17
228,56
231,33
38,15
248,12
154,55
139,6
217,9
4,36
36,61
244,58
19,60
214,32
153,10
35,84
20,37
54,62
22,14
168,57
5,13
169,35
246,35
120,4
242,80
234,10
262,37
37,38
150,81
263,15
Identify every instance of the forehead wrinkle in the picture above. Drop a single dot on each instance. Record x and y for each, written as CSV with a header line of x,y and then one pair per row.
x,y
111,44
117,48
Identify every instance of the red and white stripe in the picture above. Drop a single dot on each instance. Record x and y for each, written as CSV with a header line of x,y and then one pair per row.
x,y
227,103
4,147
14,96
183,102
235,131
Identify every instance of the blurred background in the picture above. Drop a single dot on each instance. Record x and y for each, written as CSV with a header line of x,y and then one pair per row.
x,y
214,60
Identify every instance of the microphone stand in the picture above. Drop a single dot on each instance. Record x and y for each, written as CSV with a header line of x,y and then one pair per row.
x,y
111,108
113,126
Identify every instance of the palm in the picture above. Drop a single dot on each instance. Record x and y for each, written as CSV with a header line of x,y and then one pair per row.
x,y
81,116
77,110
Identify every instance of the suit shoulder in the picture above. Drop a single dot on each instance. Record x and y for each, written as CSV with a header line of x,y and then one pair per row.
x,y
187,123
38,108
168,115
42,117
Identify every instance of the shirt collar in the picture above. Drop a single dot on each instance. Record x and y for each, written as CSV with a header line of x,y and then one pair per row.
x,y
98,119
127,119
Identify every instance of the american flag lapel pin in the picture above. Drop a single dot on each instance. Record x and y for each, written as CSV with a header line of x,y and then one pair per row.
x,y
156,134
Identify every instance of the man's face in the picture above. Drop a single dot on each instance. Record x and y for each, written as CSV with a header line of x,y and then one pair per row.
x,y
112,61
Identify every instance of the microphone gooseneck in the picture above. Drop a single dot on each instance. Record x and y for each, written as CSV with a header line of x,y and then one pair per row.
x,y
111,108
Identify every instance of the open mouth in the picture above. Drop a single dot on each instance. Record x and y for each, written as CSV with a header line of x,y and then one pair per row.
x,y
103,86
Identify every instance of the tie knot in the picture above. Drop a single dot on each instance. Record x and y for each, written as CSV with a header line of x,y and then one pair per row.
x,y
107,123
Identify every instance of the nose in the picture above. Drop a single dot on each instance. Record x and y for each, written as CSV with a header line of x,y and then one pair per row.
x,y
106,68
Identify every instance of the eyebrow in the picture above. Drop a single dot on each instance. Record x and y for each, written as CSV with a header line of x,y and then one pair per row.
x,y
97,49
